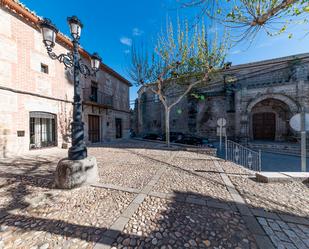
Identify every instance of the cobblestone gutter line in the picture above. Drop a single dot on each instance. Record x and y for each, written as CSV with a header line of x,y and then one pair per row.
x,y
191,199
116,228
251,222
116,187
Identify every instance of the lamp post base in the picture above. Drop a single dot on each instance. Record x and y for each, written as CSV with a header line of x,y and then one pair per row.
x,y
77,152
76,173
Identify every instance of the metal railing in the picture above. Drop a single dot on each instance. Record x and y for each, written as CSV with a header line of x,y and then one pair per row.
x,y
98,97
242,155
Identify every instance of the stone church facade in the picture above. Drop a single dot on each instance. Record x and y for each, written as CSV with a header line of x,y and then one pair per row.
x,y
36,92
257,100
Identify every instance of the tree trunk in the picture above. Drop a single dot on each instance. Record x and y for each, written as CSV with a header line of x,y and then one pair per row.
x,y
167,126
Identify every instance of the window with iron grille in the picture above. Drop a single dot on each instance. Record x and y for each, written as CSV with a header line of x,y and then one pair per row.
x,y
42,130
94,92
44,68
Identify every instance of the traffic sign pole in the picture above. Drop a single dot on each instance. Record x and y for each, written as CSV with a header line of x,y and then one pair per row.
x,y
220,137
303,140
300,122
221,122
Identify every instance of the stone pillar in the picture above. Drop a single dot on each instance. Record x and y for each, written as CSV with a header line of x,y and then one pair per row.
x,y
244,128
238,111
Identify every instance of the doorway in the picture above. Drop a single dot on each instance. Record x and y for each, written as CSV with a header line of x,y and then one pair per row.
x,y
118,128
94,128
264,126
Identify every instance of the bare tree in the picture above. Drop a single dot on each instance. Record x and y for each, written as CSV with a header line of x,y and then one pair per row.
x,y
180,61
250,16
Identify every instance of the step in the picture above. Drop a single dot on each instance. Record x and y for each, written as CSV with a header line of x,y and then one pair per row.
x,y
268,177
278,148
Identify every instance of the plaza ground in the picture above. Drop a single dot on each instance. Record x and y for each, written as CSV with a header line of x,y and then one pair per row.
x,y
149,197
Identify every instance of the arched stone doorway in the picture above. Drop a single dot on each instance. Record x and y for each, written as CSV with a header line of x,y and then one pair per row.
x,y
264,126
269,119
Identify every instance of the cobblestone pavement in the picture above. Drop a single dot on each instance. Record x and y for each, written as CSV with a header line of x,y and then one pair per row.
x,y
291,197
148,197
162,223
209,184
121,165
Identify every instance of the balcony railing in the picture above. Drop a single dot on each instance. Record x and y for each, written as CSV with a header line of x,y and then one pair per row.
x,y
99,97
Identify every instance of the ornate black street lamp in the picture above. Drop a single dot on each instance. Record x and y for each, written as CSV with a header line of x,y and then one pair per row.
x,y
78,150
78,169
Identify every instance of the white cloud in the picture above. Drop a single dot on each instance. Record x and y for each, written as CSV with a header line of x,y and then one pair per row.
x,y
126,41
137,32
127,51
264,44
236,52
212,29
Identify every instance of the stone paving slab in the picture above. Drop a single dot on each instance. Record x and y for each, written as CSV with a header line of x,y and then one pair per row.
x,y
286,234
265,214
298,176
267,177
295,219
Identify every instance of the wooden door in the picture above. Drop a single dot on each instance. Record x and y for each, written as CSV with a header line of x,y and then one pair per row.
x,y
94,128
264,126
118,128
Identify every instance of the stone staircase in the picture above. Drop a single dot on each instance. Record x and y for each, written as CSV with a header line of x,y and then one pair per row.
x,y
280,148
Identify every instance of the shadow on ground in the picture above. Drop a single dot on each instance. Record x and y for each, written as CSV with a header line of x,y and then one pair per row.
x,y
171,222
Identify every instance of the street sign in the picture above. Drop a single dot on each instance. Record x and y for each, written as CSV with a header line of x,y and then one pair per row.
x,y
221,122
295,122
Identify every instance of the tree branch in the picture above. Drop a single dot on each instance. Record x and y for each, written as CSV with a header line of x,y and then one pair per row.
x,y
261,20
159,93
187,91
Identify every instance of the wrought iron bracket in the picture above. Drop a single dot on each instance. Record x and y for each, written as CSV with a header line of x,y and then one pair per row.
x,y
85,70
67,60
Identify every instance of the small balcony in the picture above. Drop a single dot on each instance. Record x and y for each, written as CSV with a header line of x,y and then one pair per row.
x,y
96,97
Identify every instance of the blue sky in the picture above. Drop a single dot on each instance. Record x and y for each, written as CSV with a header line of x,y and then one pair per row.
x,y
110,27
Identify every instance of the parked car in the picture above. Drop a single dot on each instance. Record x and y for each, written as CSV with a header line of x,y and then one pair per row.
x,y
132,133
190,140
194,140
174,136
151,136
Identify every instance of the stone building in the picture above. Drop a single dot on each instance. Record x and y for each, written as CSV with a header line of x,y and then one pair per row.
x,y
36,92
257,100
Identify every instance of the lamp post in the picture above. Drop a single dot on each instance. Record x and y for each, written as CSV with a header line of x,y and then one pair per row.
x,y
78,150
